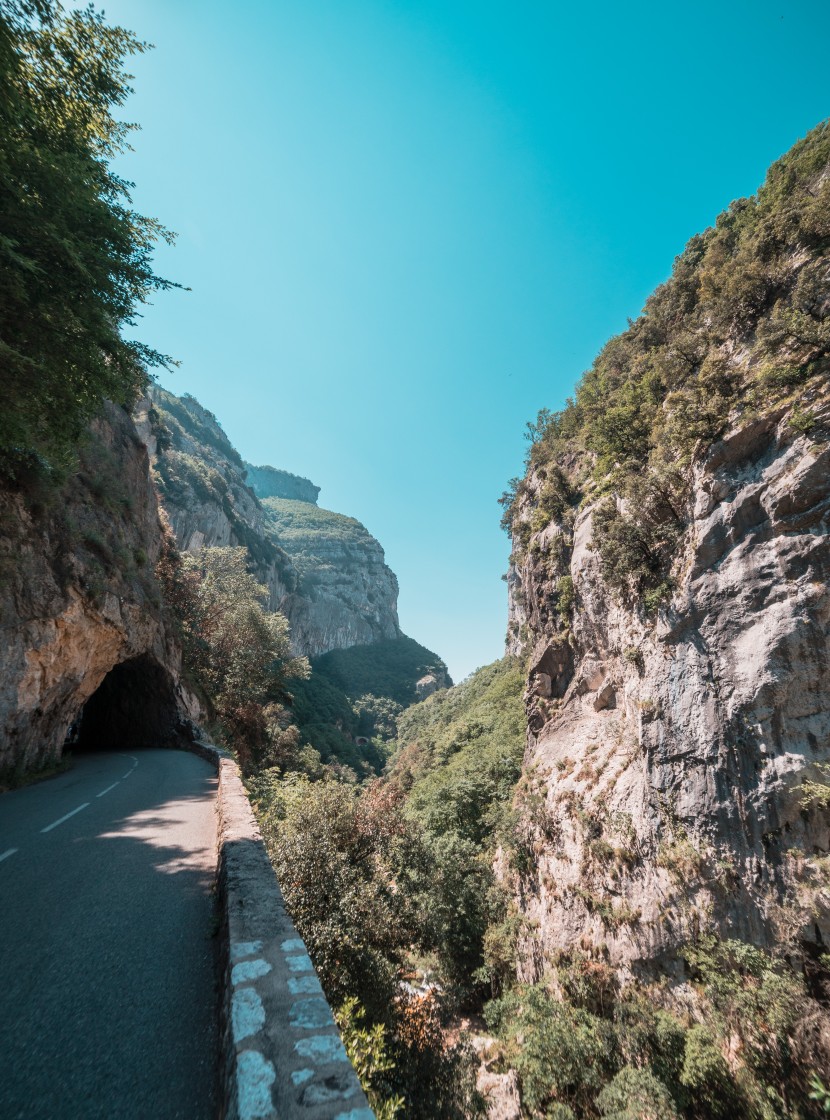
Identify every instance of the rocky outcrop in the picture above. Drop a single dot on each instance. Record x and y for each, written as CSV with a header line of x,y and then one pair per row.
x,y
432,682
202,484
79,601
670,755
323,570
269,482
347,594
669,588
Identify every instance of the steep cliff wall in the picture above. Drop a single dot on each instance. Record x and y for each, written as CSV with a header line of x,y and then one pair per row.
x,y
79,598
324,571
348,596
669,586
202,484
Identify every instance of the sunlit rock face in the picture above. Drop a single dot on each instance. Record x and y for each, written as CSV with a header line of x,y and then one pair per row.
x,y
667,752
79,596
347,595
323,570
202,484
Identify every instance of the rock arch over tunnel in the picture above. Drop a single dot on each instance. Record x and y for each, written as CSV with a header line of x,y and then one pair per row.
x,y
133,707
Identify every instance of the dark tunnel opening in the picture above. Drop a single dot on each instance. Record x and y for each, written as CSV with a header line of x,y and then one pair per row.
x,y
133,707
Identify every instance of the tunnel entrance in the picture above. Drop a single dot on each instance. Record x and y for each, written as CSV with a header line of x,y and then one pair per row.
x,y
134,707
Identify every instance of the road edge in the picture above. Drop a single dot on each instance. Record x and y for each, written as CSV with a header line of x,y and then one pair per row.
x,y
280,1051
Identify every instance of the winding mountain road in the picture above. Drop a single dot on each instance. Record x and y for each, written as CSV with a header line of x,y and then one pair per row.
x,y
107,969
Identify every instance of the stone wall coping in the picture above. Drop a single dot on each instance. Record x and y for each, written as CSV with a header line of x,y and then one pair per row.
x,y
281,1052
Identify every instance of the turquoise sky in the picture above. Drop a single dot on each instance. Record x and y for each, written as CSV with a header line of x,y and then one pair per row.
x,y
409,226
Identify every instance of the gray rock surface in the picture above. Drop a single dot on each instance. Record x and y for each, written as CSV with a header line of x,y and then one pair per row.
x,y
347,595
78,596
202,483
430,683
667,754
324,571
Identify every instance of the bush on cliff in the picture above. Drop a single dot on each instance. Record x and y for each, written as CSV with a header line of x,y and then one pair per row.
x,y
741,327
357,879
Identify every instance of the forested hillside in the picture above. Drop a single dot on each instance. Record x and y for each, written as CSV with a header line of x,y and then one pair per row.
x,y
393,881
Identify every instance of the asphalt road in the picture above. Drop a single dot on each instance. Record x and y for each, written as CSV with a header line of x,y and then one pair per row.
x,y
107,953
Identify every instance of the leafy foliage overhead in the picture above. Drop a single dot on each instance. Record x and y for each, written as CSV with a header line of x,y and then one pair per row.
x,y
75,258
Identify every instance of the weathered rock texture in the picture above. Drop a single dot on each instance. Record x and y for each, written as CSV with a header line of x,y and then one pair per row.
x,y
347,594
78,598
669,753
324,571
202,483
669,586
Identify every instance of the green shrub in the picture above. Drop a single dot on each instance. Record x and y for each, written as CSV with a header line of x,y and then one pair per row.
x,y
741,325
368,1051
560,1052
636,1094
706,1075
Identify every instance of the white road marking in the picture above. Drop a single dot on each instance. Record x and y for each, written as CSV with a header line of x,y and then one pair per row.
x,y
321,1048
103,791
300,963
310,1014
55,824
6,854
240,949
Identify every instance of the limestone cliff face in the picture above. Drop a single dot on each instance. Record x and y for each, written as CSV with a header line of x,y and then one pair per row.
x,y
323,570
670,752
669,587
347,594
79,599
202,484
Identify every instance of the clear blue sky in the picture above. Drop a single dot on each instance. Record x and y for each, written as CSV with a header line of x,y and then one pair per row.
x,y
408,226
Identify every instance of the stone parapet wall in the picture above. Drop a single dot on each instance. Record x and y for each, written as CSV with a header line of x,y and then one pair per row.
x,y
282,1054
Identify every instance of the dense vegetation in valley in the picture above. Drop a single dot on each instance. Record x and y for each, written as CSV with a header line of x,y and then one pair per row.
x,y
358,693
740,328
75,258
394,880
747,1048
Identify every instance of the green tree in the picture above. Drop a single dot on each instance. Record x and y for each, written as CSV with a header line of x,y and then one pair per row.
x,y
75,258
636,1094
239,653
